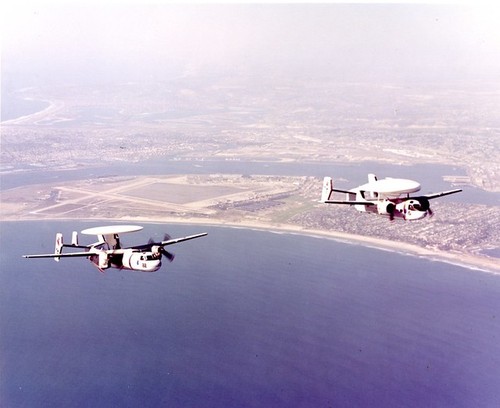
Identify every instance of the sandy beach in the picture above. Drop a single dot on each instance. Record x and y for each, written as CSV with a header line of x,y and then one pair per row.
x,y
54,106
484,264
197,200
468,261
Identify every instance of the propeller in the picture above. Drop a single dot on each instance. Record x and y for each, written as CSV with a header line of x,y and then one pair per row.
x,y
390,209
170,256
425,205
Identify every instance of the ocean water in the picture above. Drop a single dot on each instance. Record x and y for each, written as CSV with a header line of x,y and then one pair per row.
x,y
244,318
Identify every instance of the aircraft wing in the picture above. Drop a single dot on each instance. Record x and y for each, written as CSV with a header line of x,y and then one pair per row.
x,y
177,240
66,255
348,202
442,194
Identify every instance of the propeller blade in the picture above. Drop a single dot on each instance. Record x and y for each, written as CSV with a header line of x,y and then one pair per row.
x,y
166,237
424,203
170,256
390,209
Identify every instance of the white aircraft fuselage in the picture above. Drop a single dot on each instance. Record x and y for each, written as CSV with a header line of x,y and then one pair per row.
x,y
141,261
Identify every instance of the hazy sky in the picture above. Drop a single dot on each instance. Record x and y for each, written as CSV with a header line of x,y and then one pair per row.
x,y
337,41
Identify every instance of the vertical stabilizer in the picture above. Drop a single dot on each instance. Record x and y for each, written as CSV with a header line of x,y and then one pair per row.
x,y
327,189
58,246
74,239
372,178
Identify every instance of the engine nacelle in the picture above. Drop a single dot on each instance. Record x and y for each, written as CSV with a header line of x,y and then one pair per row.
x,y
141,261
386,207
423,204
415,208
156,249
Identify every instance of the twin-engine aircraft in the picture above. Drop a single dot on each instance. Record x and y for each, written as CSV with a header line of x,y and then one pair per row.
x,y
389,197
107,252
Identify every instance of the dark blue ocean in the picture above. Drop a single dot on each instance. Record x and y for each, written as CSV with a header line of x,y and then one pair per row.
x,y
244,318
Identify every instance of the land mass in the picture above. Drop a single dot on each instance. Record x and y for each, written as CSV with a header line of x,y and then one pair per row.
x,y
270,119
265,202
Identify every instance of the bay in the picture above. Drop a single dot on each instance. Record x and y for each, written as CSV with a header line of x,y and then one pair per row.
x,y
346,175
244,318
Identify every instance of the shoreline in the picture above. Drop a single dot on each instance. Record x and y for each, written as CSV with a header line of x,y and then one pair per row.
x,y
468,261
53,106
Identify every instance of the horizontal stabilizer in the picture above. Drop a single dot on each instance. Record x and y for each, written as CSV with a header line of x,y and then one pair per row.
x,y
343,191
328,189
349,202
67,255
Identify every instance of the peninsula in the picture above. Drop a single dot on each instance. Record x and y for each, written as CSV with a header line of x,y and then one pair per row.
x,y
278,203
240,120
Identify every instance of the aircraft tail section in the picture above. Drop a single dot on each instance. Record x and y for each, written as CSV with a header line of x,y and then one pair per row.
x,y
327,189
372,178
58,246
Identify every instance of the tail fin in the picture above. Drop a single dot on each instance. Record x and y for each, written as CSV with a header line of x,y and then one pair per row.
x,y
74,239
59,246
372,178
327,189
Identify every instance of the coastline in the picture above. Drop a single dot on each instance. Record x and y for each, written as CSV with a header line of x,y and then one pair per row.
x,y
477,263
468,261
53,106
